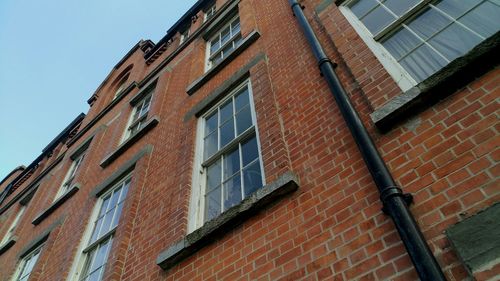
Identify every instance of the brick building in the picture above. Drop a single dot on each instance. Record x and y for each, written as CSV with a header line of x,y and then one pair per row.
x,y
220,153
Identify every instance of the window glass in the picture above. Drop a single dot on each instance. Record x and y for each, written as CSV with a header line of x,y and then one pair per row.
x,y
27,264
224,41
100,242
139,115
13,226
234,168
70,176
427,37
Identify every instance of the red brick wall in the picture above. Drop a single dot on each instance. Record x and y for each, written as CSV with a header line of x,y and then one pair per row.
x,y
332,227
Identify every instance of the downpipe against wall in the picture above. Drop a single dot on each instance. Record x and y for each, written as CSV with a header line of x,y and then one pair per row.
x,y
394,201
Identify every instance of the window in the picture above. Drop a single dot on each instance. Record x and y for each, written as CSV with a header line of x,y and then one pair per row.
x,y
422,36
224,42
121,86
27,263
210,12
229,162
70,176
104,223
139,115
12,227
184,35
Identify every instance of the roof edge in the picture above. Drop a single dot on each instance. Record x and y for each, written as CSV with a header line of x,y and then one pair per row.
x,y
18,168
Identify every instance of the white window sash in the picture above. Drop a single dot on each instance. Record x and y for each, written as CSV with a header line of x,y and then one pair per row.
x,y
13,226
197,202
86,245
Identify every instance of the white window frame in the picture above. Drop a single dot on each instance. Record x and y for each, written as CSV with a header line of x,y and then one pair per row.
x,y
84,246
395,70
121,85
210,12
393,67
27,258
13,225
141,119
68,183
184,35
197,202
217,33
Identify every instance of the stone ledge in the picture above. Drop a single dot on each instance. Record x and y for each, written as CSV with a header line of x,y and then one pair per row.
x,y
55,205
235,79
5,246
150,124
448,80
198,83
210,231
476,239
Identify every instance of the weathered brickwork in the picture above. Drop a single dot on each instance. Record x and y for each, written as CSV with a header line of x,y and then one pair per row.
x,y
332,227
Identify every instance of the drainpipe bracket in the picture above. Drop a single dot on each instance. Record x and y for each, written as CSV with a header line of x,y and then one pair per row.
x,y
326,60
302,7
394,191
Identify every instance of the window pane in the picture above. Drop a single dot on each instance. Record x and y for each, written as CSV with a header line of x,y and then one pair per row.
x,y
249,151
88,261
360,8
101,255
106,225
94,276
399,7
252,178
117,215
237,40
231,163
124,190
114,198
136,114
484,19
456,8
97,227
235,26
226,133
226,111
429,23
214,45
241,99
401,42
377,19
243,120
104,205
454,41
211,123
232,192
214,175
422,62
212,204
217,59
210,145
225,35
227,50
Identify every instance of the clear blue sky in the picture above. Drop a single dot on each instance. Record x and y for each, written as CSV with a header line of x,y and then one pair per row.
x,y
54,54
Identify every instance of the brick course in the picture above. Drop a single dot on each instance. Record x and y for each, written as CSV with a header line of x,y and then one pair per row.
x,y
332,227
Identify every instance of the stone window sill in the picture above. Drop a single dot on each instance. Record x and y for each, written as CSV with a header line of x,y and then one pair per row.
x,y
55,205
449,79
5,246
198,83
150,124
228,220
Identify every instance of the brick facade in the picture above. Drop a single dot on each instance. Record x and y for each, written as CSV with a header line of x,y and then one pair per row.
x,y
332,227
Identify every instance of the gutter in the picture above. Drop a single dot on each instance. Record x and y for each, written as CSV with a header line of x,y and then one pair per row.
x,y
394,201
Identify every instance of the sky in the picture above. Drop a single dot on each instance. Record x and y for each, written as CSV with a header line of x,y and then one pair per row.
x,y
53,56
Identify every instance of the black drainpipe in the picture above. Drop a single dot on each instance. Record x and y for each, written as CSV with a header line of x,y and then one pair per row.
x,y
394,201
